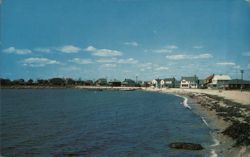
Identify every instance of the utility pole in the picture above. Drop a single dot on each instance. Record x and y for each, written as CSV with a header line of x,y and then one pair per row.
x,y
241,71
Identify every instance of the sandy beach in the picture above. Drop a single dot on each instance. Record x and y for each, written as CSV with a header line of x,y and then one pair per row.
x,y
205,103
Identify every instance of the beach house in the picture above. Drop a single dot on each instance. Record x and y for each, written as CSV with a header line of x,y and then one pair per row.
x,y
208,80
156,83
189,82
219,81
128,83
237,84
168,83
101,82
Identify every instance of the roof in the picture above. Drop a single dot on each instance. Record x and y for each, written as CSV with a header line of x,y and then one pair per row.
x,y
129,81
191,79
210,77
221,77
238,81
169,79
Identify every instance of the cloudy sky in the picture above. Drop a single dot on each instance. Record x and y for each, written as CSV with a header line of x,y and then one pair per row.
x,y
120,39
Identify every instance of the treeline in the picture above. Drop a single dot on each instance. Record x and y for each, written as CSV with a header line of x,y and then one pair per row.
x,y
45,82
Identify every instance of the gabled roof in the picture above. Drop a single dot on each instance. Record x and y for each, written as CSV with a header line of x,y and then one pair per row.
x,y
129,81
221,77
191,79
169,79
210,77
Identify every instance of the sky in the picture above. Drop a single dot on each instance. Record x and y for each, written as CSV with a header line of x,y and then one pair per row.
x,y
91,39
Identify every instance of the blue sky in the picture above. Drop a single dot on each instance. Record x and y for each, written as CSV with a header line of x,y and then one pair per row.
x,y
120,39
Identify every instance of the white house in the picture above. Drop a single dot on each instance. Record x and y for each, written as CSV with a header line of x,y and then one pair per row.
x,y
189,82
219,81
156,83
167,82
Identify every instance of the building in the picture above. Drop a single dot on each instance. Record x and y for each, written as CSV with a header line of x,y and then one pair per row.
x,y
156,83
129,83
237,84
101,82
208,80
167,83
189,82
219,81
115,83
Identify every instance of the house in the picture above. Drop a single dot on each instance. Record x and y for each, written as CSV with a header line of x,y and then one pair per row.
x,y
88,83
115,83
168,83
156,83
208,80
189,82
219,81
237,84
128,83
101,82
177,84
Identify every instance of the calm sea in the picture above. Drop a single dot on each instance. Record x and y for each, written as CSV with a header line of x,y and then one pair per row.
x,y
74,122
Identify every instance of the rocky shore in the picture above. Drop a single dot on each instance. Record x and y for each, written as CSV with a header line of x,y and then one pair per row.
x,y
237,115
229,121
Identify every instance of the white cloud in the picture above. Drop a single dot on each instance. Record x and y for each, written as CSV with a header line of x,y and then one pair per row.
x,y
171,47
247,1
17,51
133,43
46,50
108,65
246,54
226,63
197,47
127,61
202,56
70,68
38,62
161,68
183,56
69,49
163,50
176,57
81,61
103,52
106,60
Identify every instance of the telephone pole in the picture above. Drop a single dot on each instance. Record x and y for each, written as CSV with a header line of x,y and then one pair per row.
x,y
241,71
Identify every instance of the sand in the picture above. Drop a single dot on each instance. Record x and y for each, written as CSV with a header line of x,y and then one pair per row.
x,y
233,95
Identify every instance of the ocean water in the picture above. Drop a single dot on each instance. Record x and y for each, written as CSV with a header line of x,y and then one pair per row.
x,y
74,122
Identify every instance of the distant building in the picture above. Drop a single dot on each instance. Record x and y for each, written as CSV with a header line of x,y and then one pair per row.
x,y
237,84
101,82
219,81
115,83
88,83
189,82
129,83
156,83
208,80
167,83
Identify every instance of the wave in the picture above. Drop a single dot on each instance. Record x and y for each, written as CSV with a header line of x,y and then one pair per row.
x,y
185,103
204,121
213,153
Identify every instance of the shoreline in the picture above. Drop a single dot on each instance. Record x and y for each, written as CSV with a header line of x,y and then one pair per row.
x,y
212,111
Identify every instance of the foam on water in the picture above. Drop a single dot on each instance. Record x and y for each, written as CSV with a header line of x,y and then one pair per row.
x,y
185,103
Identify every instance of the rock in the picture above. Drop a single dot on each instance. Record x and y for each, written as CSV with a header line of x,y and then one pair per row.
x,y
187,146
240,132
